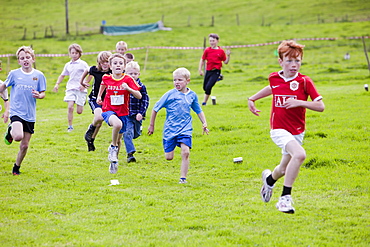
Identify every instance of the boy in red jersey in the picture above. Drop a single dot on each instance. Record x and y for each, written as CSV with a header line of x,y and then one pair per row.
x,y
290,90
118,87
214,55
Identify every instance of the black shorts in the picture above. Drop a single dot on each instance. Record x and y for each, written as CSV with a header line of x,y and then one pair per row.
x,y
27,126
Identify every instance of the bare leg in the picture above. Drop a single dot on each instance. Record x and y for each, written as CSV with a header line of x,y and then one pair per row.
x,y
298,156
70,112
23,147
185,153
206,97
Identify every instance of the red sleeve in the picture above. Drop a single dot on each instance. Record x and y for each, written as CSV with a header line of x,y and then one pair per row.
x,y
131,83
311,89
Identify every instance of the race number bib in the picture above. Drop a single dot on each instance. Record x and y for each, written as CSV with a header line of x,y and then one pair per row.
x,y
116,99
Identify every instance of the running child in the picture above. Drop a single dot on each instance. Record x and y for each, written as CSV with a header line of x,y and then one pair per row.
x,y
75,92
96,72
27,84
290,90
138,108
118,87
214,55
178,125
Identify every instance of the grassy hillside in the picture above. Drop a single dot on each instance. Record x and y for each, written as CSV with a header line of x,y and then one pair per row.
x,y
63,198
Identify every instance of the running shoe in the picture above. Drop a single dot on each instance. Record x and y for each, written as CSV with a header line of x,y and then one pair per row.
x,y
8,139
266,190
112,156
113,167
131,158
90,131
16,170
285,204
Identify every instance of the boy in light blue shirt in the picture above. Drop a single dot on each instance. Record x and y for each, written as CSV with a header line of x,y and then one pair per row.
x,y
178,126
28,84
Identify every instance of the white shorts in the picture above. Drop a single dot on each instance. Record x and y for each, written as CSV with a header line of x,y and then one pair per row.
x,y
281,138
77,96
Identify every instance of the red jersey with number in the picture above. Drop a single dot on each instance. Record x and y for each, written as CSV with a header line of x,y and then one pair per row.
x,y
214,58
116,98
298,87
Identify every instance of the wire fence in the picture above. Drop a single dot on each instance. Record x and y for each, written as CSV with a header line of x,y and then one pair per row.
x,y
58,28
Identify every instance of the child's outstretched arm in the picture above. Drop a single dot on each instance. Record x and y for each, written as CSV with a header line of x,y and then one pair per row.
x,y
135,93
311,105
264,92
202,118
5,115
152,122
100,93
56,87
85,82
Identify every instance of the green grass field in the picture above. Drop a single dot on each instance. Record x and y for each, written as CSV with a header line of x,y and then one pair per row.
x,y
63,197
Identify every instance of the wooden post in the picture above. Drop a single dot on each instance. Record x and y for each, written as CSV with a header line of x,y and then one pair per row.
x,y
8,66
237,19
263,21
213,21
67,21
46,32
76,28
365,50
24,34
189,17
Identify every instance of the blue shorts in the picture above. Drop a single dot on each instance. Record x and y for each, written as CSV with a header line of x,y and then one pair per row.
x,y
169,145
106,115
93,105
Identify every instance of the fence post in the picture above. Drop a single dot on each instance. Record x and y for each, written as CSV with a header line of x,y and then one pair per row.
x,y
24,34
189,17
365,50
237,19
213,21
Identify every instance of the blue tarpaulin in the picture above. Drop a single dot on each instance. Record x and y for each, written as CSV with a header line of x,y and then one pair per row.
x,y
123,30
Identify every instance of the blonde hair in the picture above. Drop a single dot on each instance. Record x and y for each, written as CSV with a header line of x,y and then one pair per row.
x,y
290,48
123,43
116,55
184,72
102,57
26,49
133,65
77,47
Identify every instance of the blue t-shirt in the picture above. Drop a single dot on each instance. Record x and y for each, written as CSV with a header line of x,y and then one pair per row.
x,y
178,118
22,104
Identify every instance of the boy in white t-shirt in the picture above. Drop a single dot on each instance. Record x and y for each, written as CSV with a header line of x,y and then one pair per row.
x,y
75,92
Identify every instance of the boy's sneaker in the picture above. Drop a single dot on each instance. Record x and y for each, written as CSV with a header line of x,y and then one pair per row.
x,y
8,139
285,204
113,151
90,145
16,170
113,167
266,190
131,158
90,131
183,181
70,129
